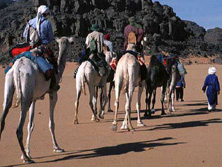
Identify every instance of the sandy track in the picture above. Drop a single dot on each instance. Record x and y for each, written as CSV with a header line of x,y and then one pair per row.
x,y
188,137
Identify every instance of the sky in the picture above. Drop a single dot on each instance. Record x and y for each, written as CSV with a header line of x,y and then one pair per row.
x,y
206,13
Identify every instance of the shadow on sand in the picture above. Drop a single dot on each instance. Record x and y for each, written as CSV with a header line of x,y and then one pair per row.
x,y
109,150
186,124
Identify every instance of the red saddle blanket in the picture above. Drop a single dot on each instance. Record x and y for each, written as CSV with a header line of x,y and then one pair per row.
x,y
113,63
18,49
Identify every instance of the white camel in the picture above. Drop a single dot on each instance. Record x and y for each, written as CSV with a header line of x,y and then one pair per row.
x,y
88,74
29,83
128,74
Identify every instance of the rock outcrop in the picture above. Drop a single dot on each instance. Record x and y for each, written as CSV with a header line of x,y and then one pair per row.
x,y
164,29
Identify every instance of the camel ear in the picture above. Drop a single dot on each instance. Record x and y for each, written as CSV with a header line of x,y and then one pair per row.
x,y
145,39
70,39
57,39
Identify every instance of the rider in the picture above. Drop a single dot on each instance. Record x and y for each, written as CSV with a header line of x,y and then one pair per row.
x,y
42,26
107,42
137,29
94,48
137,37
44,29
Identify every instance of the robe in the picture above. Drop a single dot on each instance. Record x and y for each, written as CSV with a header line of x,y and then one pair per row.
x,y
213,87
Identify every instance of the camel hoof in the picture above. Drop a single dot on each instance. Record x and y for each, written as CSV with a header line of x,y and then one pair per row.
x,y
114,127
58,150
110,110
132,130
95,119
28,155
28,161
163,113
76,121
124,127
145,114
153,111
101,114
140,124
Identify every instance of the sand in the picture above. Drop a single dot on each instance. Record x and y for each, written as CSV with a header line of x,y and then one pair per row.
x,y
188,137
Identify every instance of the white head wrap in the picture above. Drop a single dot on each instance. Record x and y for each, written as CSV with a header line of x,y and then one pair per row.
x,y
212,70
42,9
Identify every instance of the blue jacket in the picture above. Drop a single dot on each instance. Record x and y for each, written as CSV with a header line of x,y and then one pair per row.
x,y
213,87
46,32
181,82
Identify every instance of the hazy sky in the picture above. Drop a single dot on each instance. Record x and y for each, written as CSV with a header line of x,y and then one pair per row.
x,y
206,13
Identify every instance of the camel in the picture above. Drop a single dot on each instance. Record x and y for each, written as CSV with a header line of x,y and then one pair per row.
x,y
88,74
110,56
157,76
128,74
171,85
29,83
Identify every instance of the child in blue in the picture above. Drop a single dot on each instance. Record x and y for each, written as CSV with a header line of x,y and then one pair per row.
x,y
179,89
213,88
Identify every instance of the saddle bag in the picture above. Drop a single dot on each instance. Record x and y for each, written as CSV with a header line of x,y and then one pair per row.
x,y
132,37
181,69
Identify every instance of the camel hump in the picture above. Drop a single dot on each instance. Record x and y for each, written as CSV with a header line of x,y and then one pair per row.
x,y
132,37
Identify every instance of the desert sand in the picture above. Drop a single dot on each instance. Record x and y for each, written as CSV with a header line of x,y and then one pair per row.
x,y
188,137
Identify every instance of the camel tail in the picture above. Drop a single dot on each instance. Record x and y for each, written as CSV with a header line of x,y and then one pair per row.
x,y
17,81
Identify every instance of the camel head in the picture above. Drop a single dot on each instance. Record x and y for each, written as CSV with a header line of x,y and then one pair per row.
x,y
131,46
64,45
146,43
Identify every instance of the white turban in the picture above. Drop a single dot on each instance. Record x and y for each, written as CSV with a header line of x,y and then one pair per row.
x,y
42,9
212,70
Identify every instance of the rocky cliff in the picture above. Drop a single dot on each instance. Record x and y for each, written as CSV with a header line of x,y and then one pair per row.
x,y
164,29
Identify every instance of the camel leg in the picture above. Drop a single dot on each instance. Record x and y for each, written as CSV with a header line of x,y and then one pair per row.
x,y
26,100
109,96
8,98
25,105
170,102
118,86
78,94
131,89
30,128
162,99
53,99
103,102
92,102
153,101
138,104
147,102
125,121
171,92
173,97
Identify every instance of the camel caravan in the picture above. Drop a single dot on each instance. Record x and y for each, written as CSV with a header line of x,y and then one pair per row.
x,y
34,72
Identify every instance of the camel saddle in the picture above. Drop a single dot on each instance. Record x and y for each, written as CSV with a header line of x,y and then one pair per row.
x,y
132,37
